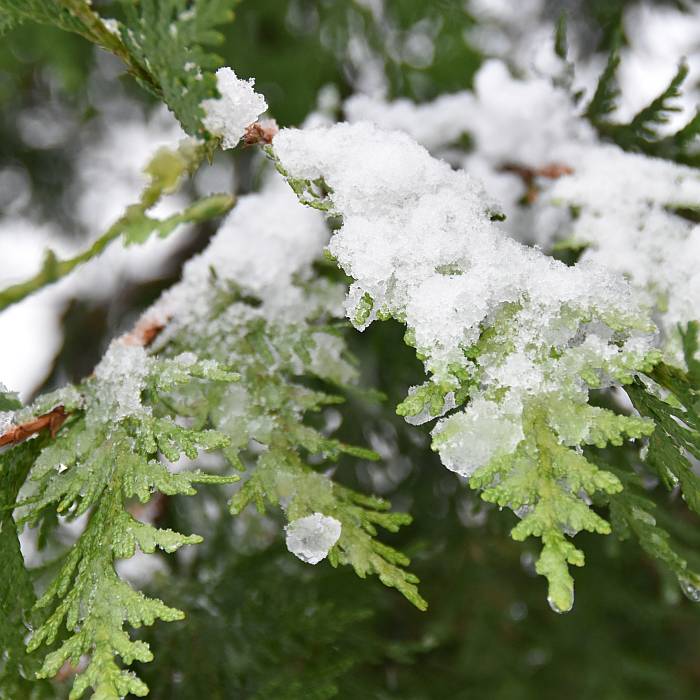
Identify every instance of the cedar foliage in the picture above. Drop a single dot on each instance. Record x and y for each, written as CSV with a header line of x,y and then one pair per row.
x,y
248,602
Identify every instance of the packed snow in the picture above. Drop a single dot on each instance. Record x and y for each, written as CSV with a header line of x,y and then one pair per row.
x,y
238,107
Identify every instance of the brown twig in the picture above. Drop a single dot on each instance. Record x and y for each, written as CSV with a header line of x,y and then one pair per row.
x,y
551,171
53,420
260,133
146,330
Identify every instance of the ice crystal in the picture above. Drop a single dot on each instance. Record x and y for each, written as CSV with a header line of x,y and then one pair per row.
x,y
121,375
311,538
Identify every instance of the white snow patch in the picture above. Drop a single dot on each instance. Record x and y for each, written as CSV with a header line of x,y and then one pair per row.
x,y
238,107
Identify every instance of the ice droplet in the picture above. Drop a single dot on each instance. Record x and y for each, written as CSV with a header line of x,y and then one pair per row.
x,y
690,589
311,538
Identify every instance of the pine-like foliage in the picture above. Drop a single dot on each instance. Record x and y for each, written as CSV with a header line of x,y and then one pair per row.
x,y
239,378
518,439
641,133
167,38
673,402
102,458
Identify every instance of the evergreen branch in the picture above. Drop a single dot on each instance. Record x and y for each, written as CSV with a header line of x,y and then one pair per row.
x,y
17,669
632,513
640,134
161,44
676,439
168,37
656,112
604,100
166,171
105,457
98,33
76,16
518,439
124,417
543,482
359,516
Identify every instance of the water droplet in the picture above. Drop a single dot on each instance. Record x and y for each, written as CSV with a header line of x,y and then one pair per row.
x,y
691,589
527,561
557,608
518,611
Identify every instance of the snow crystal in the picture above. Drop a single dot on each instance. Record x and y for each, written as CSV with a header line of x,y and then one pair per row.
x,y
311,538
238,107
121,375
5,416
5,420
418,240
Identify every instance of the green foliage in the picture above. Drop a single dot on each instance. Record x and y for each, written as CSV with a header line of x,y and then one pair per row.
x,y
161,44
543,477
54,12
641,133
167,37
16,591
279,477
9,401
260,624
268,406
543,481
632,513
673,402
99,463
263,612
167,170
603,102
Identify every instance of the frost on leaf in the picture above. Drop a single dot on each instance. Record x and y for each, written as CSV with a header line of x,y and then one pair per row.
x,y
512,340
122,376
238,107
311,538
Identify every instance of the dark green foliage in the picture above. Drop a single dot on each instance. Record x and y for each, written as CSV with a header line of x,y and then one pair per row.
x,y
677,418
249,641
167,37
16,591
604,99
55,12
641,134
634,513
9,401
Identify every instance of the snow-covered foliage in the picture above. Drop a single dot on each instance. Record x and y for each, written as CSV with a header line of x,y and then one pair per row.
x,y
238,107
536,151
519,335
553,387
